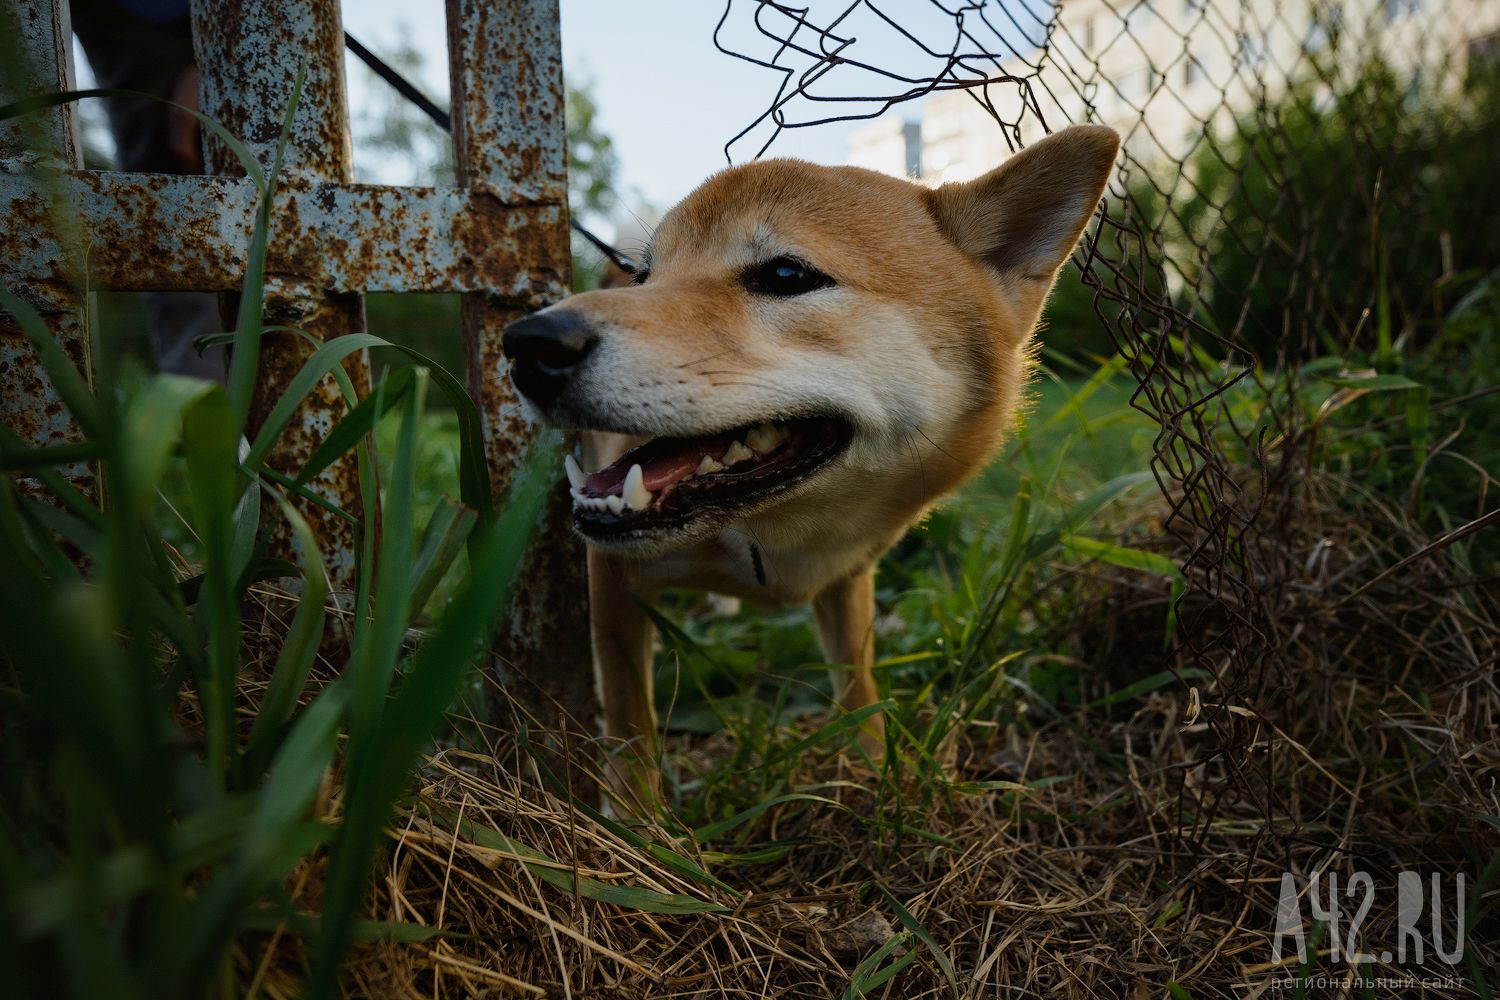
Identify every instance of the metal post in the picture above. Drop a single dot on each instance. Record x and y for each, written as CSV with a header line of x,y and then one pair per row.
x,y
253,48
506,68
41,145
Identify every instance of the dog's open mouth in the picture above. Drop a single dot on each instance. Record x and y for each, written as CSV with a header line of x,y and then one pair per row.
x,y
670,481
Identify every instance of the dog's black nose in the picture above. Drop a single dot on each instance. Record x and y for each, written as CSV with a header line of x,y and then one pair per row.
x,y
545,350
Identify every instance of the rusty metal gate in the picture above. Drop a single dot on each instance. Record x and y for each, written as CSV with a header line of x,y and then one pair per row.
x,y
499,237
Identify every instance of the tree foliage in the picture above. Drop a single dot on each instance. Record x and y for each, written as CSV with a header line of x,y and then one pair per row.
x,y
1352,212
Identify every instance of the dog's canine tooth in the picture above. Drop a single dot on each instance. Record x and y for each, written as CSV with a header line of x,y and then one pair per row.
x,y
635,494
708,465
577,494
614,503
576,477
737,453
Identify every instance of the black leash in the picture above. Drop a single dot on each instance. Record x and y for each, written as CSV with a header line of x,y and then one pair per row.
x,y
444,121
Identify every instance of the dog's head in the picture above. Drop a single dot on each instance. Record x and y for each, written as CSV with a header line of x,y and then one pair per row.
x,y
838,345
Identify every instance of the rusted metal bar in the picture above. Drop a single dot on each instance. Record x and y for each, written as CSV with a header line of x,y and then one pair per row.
x,y
250,52
168,232
33,150
506,70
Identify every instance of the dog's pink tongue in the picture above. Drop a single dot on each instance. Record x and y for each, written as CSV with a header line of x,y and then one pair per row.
x,y
673,468
661,470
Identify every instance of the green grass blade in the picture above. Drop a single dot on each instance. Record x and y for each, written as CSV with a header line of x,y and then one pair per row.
x,y
44,520
201,838
298,650
1147,684
379,772
1419,424
276,836
1130,558
1373,383
838,730
713,831
152,427
473,464
57,485
447,532
562,876
297,771
41,102
473,461
68,453
245,534
375,657
244,358
911,924
869,975
473,468
1105,374
354,425
71,386
364,931
209,446
679,865
323,360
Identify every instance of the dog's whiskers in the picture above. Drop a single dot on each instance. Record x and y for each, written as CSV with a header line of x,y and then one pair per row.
x,y
751,384
917,455
709,357
939,447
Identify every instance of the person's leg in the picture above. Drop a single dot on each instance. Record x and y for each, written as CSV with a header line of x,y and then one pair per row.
x,y
156,58
177,320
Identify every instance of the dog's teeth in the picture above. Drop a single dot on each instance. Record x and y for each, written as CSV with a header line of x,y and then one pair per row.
x,y
764,438
575,474
577,495
737,453
707,465
635,494
615,504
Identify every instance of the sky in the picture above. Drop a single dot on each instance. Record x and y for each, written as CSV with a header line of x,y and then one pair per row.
x,y
667,97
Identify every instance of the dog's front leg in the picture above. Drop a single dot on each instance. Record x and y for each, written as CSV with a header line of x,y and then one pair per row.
x,y
623,636
845,612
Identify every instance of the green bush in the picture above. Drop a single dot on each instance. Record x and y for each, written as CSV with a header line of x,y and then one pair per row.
x,y
1348,213
1345,215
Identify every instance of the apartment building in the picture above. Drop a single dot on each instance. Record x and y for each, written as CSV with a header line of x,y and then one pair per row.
x,y
1165,72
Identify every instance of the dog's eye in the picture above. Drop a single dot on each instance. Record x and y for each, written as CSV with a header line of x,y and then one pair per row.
x,y
784,276
640,274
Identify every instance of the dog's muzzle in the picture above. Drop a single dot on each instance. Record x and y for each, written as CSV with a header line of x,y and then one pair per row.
x,y
545,350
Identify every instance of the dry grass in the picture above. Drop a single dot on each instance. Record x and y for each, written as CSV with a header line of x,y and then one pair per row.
x,y
1140,844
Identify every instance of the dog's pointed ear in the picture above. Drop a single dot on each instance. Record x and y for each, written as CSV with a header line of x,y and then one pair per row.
x,y
1023,217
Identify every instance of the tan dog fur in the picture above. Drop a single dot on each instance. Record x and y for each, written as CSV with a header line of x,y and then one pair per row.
x,y
921,343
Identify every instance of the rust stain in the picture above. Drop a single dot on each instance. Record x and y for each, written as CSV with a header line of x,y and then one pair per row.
x,y
249,45
29,403
508,140
193,233
501,237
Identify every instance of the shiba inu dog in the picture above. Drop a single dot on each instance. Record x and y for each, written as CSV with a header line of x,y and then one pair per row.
x,y
808,359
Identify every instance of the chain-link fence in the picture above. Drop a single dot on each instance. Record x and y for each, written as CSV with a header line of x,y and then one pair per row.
x,y
1300,186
